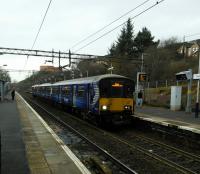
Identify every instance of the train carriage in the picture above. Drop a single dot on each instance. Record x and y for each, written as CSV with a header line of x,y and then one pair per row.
x,y
105,98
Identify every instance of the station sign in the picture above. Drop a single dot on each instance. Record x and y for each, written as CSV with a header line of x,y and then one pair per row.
x,y
196,76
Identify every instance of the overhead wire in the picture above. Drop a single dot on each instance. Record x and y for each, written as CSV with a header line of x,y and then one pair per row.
x,y
41,24
158,2
190,35
195,34
39,29
86,38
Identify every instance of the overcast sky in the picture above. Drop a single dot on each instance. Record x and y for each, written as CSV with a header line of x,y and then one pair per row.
x,y
68,22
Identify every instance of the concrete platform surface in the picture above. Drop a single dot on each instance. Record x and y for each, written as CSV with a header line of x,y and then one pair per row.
x,y
29,145
164,116
13,153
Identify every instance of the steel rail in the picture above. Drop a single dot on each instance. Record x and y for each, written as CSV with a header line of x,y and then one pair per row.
x,y
150,154
144,151
157,157
119,163
187,154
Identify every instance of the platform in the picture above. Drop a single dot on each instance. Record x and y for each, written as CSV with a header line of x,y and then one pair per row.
x,y
29,145
166,117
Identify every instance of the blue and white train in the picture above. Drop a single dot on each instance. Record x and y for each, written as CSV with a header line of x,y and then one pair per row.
x,y
105,98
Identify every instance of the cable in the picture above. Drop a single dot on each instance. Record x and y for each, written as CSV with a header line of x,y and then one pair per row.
x,y
41,24
158,2
78,43
39,30
196,34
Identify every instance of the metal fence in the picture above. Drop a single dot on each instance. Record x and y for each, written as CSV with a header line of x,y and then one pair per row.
x,y
158,93
163,83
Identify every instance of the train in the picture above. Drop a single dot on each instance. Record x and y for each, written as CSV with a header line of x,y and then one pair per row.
x,y
104,98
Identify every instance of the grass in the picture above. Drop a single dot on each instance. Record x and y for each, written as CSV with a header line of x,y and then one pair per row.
x,y
160,97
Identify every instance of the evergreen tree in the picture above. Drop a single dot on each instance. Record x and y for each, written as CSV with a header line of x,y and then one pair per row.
x,y
125,42
143,40
112,50
129,38
121,43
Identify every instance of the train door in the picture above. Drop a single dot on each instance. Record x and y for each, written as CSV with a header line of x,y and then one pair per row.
x,y
74,96
60,94
90,96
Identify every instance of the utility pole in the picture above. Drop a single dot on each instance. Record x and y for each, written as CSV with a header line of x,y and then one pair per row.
x,y
197,98
52,55
142,62
138,73
189,95
184,47
69,58
111,68
59,60
137,85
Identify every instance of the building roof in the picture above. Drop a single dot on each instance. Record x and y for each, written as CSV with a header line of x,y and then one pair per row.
x,y
197,41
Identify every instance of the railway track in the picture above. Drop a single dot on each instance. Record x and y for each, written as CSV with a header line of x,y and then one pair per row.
x,y
102,167
181,161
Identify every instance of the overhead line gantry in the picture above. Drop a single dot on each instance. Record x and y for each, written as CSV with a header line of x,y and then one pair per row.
x,y
62,55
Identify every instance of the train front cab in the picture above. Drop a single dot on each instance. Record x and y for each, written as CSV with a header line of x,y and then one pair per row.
x,y
116,102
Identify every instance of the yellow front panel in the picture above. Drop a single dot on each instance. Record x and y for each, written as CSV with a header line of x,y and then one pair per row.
x,y
115,104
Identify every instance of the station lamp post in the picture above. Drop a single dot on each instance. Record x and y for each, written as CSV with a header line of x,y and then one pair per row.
x,y
111,68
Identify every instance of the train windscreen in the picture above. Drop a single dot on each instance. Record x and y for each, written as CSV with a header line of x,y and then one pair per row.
x,y
116,88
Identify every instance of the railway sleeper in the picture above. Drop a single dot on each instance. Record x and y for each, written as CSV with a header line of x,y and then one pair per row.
x,y
99,165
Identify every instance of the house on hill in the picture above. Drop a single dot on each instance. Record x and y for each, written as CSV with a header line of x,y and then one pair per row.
x,y
189,49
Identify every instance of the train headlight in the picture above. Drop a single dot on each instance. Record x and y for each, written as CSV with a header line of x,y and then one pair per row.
x,y
127,107
104,107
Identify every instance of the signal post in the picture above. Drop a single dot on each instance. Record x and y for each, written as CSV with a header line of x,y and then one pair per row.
x,y
141,77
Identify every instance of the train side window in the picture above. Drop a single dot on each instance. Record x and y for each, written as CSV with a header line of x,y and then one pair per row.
x,y
48,90
65,90
81,91
55,90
